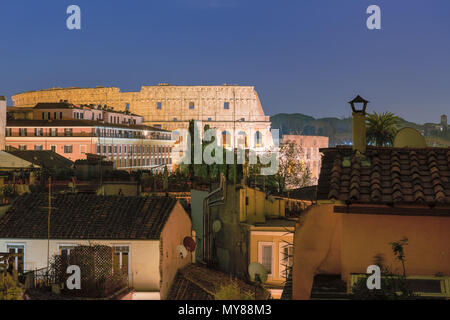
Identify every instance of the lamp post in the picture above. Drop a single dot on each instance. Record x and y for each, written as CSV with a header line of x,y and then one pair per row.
x,y
359,106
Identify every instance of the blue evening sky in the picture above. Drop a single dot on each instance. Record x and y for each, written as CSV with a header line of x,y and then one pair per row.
x,y
306,56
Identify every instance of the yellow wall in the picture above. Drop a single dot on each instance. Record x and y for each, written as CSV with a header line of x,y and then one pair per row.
x,y
279,238
316,247
330,243
259,207
364,236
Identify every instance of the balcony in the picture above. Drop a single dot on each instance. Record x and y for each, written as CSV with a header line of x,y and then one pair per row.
x,y
150,136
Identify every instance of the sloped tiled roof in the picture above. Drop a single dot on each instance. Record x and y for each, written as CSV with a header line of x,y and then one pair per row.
x,y
86,216
386,176
198,282
43,158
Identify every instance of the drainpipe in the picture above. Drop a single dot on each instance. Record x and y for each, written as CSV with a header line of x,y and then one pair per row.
x,y
207,203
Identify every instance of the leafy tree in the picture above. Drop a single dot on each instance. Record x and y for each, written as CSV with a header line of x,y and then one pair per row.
x,y
203,172
232,291
398,249
10,288
292,172
381,128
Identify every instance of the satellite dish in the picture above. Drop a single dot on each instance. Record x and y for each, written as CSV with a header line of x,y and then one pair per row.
x,y
257,272
217,226
182,252
189,244
409,137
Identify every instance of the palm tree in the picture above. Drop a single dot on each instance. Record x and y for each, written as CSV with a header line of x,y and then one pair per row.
x,y
381,128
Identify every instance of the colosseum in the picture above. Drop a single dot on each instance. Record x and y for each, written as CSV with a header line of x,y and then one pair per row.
x,y
232,110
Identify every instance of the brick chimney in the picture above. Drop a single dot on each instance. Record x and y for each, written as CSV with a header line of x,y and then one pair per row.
x,y
359,123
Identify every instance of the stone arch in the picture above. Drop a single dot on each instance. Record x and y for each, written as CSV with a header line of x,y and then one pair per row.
x,y
258,139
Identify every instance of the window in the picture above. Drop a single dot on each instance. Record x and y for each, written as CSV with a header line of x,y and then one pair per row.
x,y
121,258
23,147
226,105
43,115
159,105
64,251
68,132
19,261
8,132
60,116
242,140
83,149
286,259
174,119
209,119
68,149
38,132
191,105
242,119
23,132
53,132
265,250
38,147
53,148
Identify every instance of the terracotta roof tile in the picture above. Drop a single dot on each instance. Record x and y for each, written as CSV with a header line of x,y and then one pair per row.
x,y
198,282
395,175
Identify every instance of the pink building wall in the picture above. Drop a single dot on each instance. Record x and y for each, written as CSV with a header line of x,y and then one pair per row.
x,y
310,150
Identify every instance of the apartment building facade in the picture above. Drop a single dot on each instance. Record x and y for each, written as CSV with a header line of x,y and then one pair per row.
x,y
310,151
74,131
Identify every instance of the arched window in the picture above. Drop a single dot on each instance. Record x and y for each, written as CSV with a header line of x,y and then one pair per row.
x,y
242,140
258,139
226,139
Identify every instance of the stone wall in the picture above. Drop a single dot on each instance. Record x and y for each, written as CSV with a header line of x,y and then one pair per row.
x,y
226,108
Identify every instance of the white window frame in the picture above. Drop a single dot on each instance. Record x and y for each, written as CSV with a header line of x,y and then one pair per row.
x,y
120,259
62,245
262,244
17,258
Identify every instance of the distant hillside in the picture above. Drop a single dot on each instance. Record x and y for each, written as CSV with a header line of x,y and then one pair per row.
x,y
340,130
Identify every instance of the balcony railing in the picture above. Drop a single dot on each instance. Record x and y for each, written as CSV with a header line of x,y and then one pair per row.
x,y
150,136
